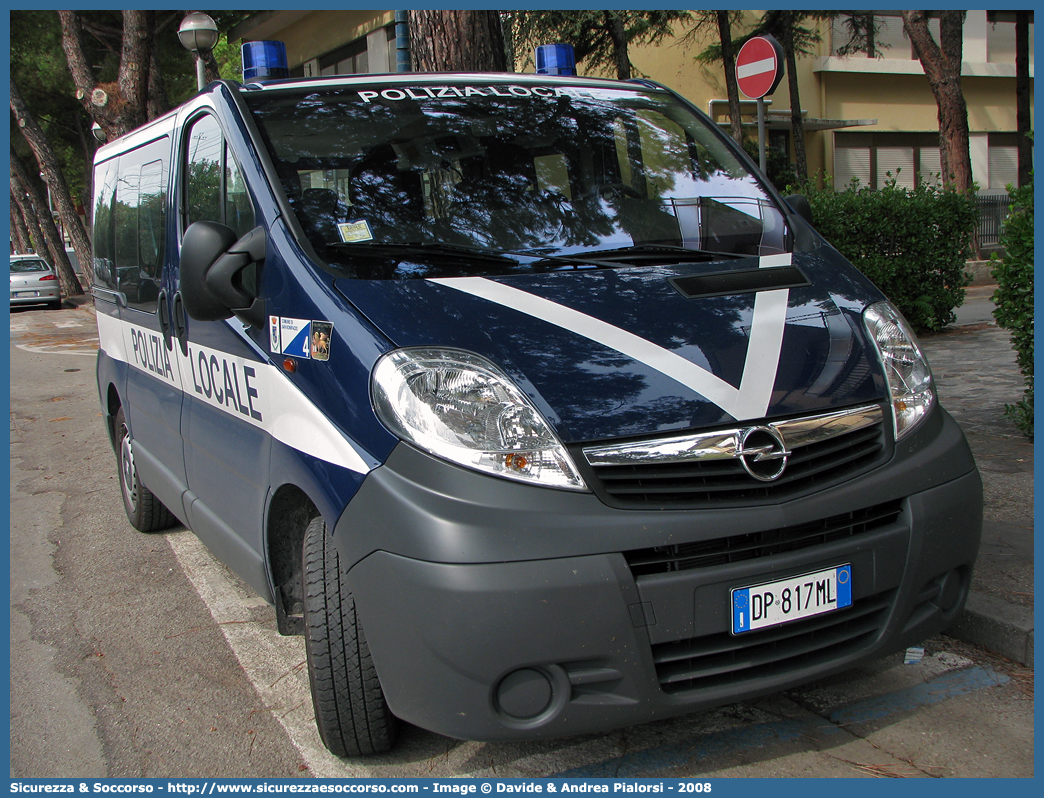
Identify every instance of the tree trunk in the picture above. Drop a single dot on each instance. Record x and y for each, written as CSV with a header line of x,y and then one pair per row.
x,y
117,107
18,229
156,103
52,173
1023,122
618,33
87,145
135,58
942,66
456,41
797,123
24,185
731,86
36,243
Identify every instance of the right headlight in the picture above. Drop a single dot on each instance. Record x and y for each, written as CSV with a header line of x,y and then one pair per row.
x,y
461,407
905,367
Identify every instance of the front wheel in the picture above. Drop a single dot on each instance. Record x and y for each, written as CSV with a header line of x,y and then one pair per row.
x,y
350,710
145,512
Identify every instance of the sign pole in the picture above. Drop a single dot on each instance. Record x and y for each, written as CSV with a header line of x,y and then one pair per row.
x,y
761,133
759,68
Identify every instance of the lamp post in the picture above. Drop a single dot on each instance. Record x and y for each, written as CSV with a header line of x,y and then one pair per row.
x,y
198,34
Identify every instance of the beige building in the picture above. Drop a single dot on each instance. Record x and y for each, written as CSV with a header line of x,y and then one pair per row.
x,y
865,117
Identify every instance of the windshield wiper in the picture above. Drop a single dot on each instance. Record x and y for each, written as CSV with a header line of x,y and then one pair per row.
x,y
602,259
440,249
650,252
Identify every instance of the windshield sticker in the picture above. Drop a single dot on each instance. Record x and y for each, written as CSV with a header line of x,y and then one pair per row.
x,y
321,332
447,92
352,232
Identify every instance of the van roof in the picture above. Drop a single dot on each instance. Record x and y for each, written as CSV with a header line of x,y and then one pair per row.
x,y
444,78
160,126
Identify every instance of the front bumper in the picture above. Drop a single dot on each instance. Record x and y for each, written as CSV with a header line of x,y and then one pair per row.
x,y
497,611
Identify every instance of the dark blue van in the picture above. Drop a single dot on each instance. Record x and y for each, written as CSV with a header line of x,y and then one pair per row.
x,y
526,399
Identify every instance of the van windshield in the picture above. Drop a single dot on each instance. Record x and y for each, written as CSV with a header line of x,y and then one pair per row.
x,y
411,180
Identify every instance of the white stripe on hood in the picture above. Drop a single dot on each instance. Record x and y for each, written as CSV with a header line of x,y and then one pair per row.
x,y
749,401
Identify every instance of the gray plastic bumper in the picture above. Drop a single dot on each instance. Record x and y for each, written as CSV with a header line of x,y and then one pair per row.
x,y
487,620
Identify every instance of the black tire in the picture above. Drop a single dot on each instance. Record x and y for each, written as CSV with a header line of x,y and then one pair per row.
x,y
145,512
350,710
56,305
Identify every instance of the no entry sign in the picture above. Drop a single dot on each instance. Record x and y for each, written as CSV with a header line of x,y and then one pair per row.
x,y
759,66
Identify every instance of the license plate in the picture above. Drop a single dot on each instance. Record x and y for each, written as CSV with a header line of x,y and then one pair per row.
x,y
791,599
26,293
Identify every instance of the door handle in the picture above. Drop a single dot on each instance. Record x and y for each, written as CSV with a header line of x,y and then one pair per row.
x,y
180,323
163,315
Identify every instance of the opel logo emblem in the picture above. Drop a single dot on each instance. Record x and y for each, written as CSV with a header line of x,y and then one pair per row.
x,y
763,453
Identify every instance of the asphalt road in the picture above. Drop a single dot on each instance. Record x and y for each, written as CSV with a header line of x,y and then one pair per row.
x,y
141,656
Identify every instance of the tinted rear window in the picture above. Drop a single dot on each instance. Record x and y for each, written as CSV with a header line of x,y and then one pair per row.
x,y
29,266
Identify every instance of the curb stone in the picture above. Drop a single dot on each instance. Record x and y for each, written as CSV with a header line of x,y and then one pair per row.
x,y
996,624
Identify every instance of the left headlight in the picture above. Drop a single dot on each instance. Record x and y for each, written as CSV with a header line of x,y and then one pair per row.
x,y
906,369
459,406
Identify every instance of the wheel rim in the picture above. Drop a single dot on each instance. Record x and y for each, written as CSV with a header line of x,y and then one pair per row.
x,y
130,476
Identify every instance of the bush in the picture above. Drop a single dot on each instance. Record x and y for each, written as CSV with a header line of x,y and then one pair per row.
x,y
912,244
1014,295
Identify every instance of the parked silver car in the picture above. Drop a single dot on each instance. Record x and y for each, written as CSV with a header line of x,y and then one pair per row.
x,y
34,282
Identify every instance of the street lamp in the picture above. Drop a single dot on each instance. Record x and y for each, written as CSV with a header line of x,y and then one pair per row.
x,y
198,34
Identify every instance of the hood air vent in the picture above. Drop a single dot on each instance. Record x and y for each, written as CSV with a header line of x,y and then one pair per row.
x,y
739,281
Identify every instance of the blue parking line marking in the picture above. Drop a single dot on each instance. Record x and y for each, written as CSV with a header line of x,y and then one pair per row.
x,y
694,749
944,687
700,747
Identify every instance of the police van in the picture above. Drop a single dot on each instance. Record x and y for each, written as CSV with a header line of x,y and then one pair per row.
x,y
526,399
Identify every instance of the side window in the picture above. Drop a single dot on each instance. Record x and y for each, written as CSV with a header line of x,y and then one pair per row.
x,y
214,186
203,172
104,191
239,212
152,200
139,218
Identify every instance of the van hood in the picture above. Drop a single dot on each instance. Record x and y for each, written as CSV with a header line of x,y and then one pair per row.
x,y
609,353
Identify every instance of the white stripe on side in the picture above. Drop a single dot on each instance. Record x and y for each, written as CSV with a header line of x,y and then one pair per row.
x,y
751,400
254,392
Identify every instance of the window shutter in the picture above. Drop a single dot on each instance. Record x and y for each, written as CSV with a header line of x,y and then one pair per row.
x,y
851,162
891,39
931,166
1004,166
899,161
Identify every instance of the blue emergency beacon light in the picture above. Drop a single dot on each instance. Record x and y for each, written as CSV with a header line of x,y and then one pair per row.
x,y
264,61
555,59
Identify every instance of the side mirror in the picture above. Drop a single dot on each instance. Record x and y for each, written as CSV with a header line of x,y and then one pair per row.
x,y
218,273
799,204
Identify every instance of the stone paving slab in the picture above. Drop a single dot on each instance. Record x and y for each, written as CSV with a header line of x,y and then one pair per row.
x,y
976,375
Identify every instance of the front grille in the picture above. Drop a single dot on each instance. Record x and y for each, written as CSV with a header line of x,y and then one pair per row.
x,y
723,482
749,546
724,659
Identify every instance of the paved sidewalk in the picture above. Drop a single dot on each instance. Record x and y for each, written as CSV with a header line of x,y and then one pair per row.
x,y
975,370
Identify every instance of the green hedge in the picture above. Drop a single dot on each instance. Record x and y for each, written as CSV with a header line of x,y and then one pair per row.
x,y
912,244
1014,294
